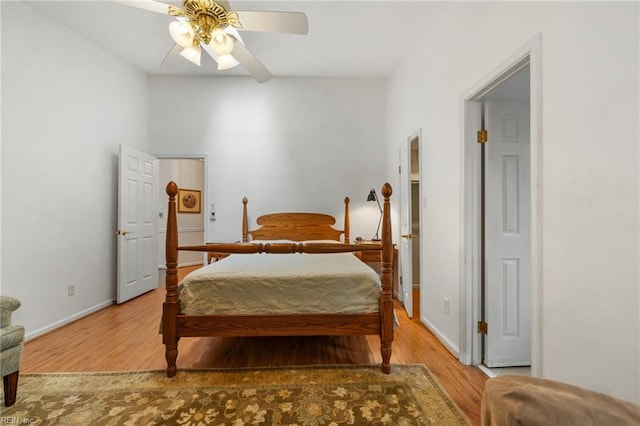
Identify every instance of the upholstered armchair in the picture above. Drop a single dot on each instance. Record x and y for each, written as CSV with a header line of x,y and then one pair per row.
x,y
11,338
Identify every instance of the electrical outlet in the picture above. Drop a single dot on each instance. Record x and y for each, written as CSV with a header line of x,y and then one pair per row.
x,y
71,289
446,305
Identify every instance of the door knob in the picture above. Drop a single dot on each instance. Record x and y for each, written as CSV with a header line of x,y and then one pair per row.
x,y
119,232
408,236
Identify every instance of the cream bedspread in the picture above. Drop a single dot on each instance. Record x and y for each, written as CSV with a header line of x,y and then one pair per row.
x,y
281,284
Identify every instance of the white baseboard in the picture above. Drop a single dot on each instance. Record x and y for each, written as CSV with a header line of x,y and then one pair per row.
x,y
451,347
486,370
44,330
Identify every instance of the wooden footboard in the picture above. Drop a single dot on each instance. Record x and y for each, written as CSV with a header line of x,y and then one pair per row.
x,y
176,325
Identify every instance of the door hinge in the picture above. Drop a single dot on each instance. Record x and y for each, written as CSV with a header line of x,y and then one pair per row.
x,y
483,327
399,170
483,136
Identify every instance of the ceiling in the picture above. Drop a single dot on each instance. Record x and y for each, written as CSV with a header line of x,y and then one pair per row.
x,y
346,38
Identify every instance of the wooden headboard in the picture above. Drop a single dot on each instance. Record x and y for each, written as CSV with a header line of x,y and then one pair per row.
x,y
295,226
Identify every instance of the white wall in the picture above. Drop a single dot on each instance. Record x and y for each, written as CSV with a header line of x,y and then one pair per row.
x,y
288,144
590,163
67,105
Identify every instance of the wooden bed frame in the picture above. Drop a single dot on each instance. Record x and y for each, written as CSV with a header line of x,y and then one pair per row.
x,y
289,226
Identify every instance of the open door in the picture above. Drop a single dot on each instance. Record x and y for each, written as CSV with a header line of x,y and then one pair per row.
x,y
507,235
517,79
405,250
137,229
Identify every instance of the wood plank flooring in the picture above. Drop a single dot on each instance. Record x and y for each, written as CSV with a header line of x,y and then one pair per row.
x,y
125,338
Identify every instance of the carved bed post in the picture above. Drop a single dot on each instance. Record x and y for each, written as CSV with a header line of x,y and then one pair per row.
x,y
245,221
171,306
347,221
386,299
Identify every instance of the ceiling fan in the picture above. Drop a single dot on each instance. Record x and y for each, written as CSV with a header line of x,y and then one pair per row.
x,y
212,26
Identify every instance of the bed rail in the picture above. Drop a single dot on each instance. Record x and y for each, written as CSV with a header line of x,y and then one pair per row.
x,y
281,248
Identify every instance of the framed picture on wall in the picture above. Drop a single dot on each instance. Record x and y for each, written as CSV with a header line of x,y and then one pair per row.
x,y
188,201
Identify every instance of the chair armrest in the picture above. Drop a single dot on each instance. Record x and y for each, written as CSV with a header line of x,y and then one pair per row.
x,y
7,306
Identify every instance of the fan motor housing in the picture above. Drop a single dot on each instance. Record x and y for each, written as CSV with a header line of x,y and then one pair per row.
x,y
205,16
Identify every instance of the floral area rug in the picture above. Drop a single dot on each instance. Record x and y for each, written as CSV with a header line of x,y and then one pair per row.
x,y
321,395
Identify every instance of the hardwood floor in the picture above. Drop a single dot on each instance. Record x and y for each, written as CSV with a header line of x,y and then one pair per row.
x,y
125,337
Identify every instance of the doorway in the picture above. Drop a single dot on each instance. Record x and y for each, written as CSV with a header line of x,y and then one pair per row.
x,y
410,212
414,148
189,173
502,190
142,206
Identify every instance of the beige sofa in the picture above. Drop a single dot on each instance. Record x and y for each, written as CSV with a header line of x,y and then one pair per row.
x,y
522,400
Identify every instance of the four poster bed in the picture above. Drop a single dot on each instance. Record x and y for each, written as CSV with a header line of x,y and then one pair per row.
x,y
293,278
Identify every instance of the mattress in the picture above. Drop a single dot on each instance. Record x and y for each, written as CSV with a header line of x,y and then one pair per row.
x,y
281,284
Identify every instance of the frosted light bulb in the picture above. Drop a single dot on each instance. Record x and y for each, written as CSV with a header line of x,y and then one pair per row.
x,y
182,33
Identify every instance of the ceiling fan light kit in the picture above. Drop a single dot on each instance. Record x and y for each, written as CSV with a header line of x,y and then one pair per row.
x,y
222,45
182,33
192,54
208,24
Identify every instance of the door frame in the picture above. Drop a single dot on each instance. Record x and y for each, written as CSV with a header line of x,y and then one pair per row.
x,y
470,282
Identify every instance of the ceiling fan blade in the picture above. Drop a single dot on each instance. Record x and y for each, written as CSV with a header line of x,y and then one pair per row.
x,y
150,5
250,62
275,22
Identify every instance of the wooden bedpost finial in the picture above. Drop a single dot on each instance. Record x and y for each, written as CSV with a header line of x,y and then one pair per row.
x,y
245,221
347,221
387,190
172,189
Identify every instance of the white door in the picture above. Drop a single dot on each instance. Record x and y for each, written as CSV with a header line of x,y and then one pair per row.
x,y
507,235
137,228
405,252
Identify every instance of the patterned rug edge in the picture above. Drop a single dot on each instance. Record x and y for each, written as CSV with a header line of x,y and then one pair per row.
x,y
227,369
274,377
